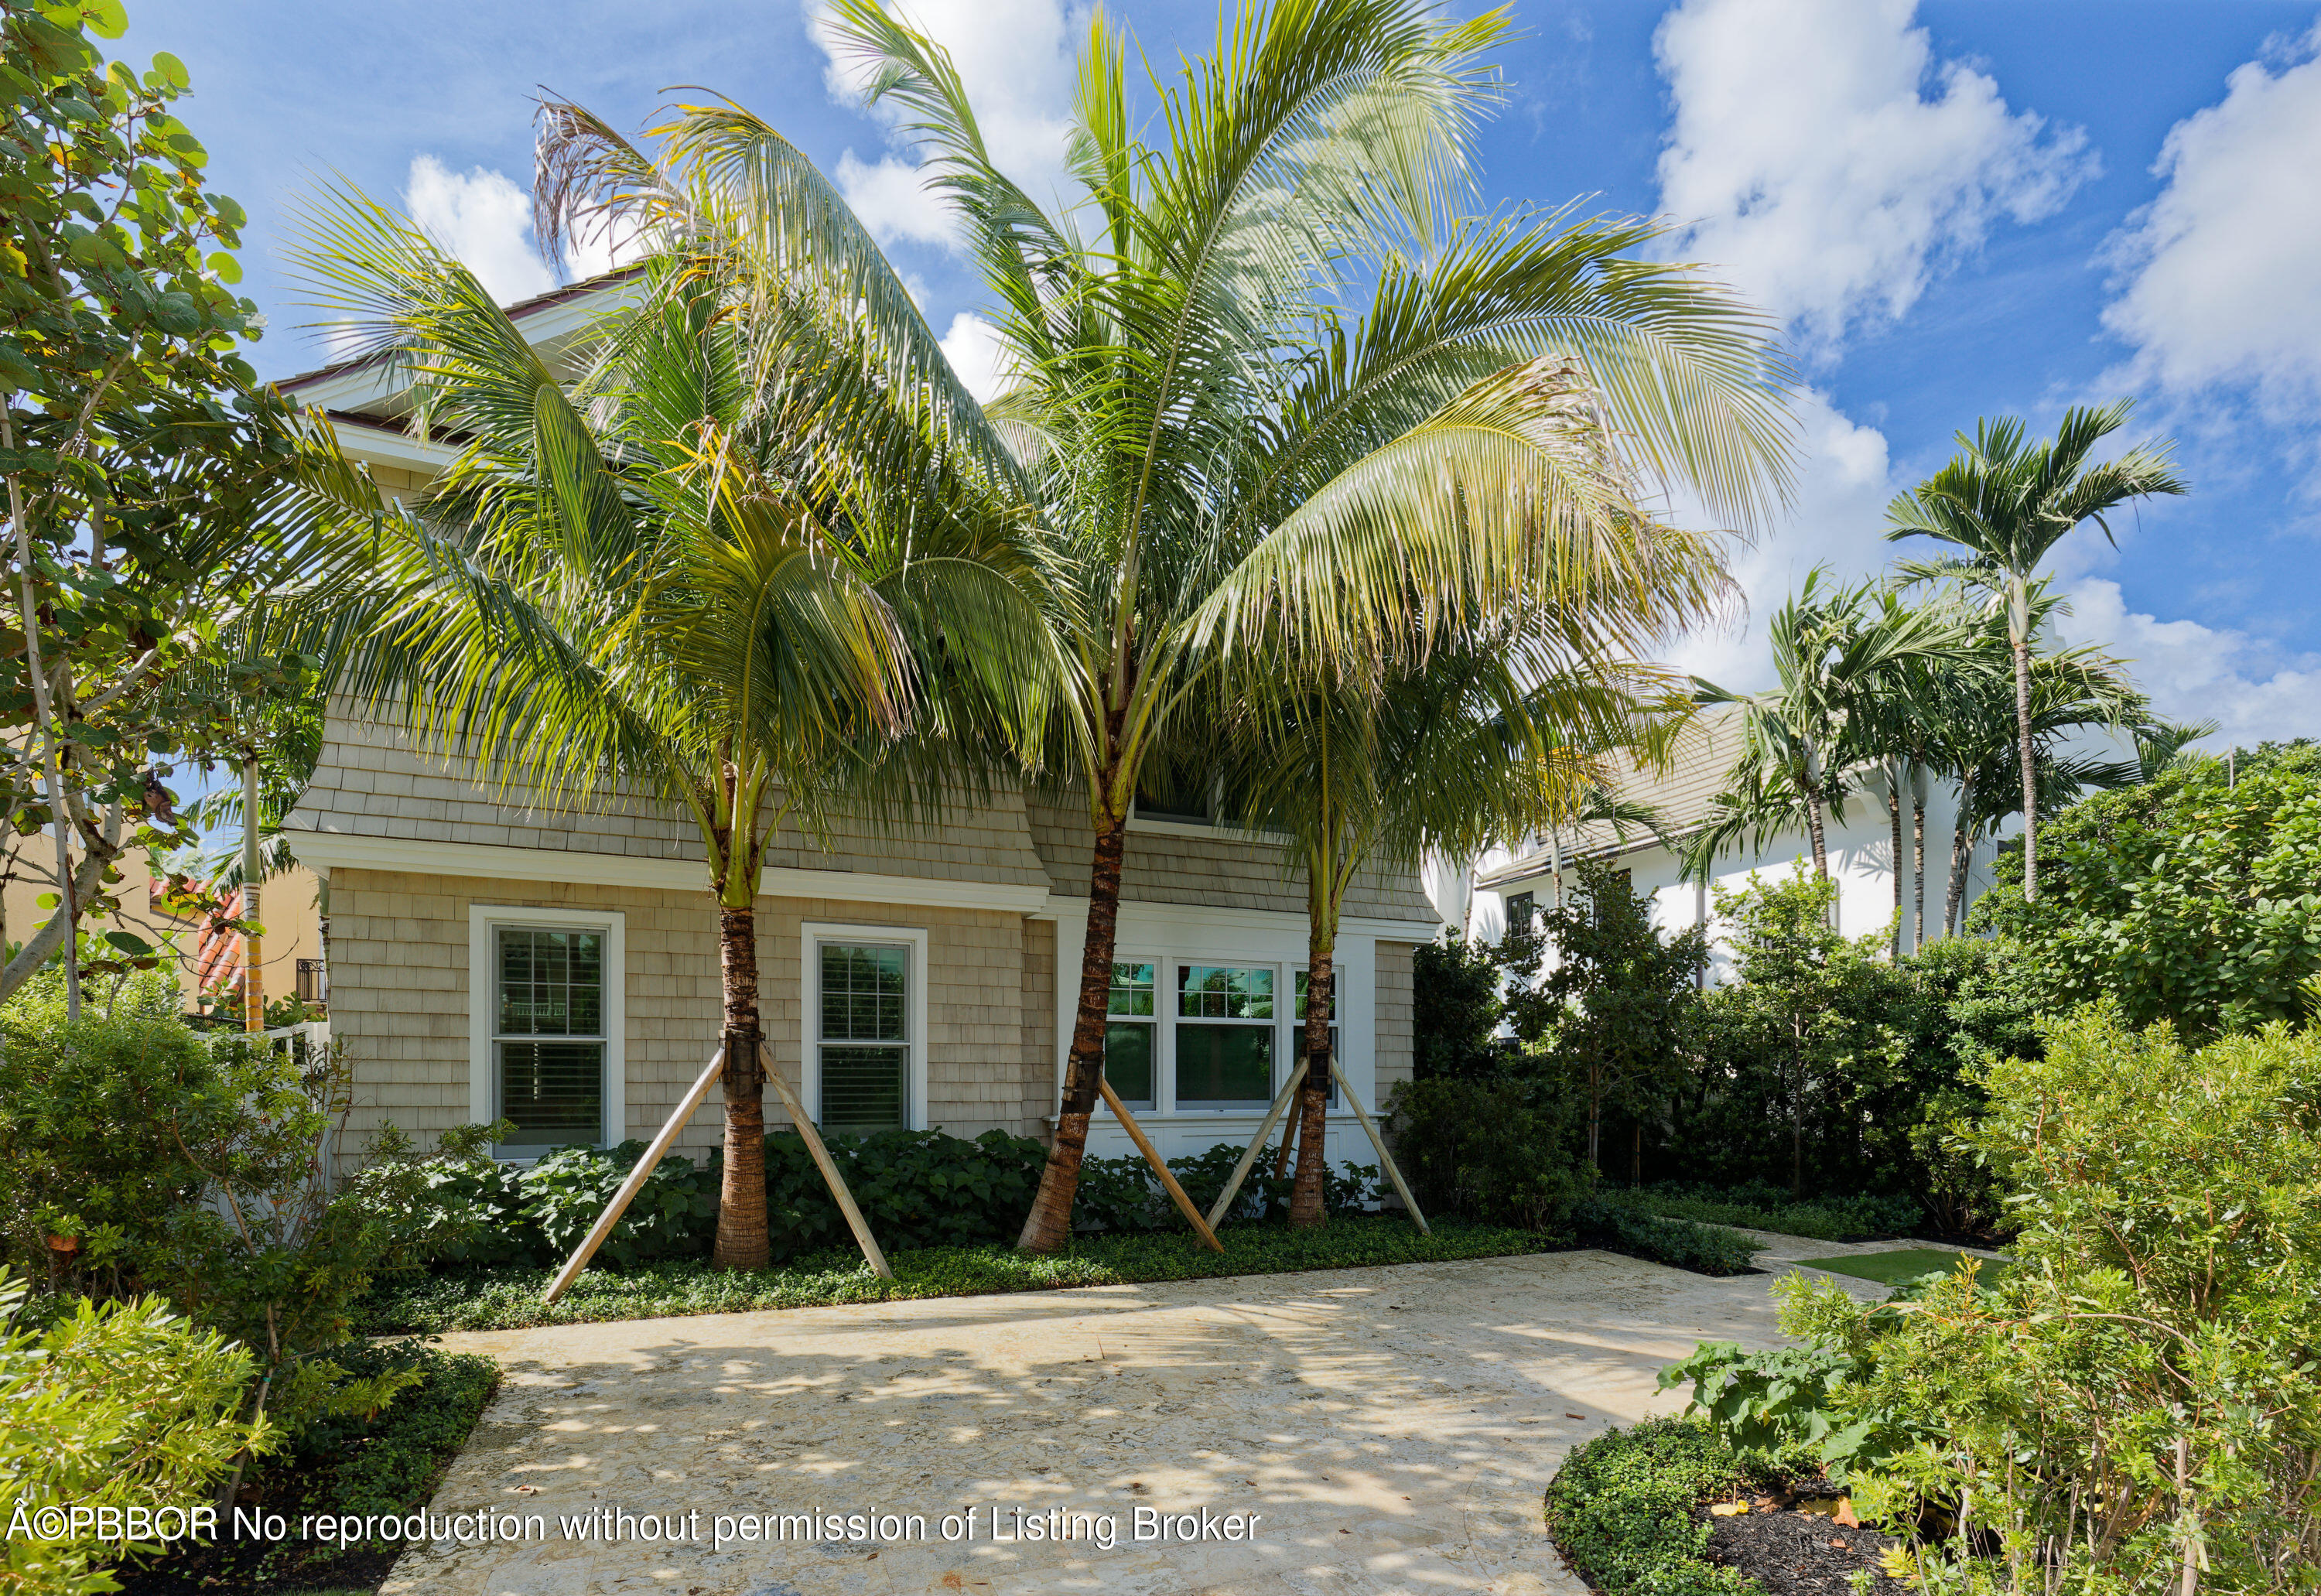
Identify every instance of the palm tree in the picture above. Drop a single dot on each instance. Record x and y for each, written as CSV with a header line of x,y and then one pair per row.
x,y
1975,733
2160,745
1484,742
1832,660
722,568
1273,392
2005,501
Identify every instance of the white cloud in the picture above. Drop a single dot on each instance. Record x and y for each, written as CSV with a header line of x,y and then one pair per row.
x,y
1844,479
1832,166
2256,689
973,348
1014,57
485,221
2220,285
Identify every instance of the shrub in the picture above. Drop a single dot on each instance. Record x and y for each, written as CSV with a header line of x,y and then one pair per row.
x,y
915,1189
119,1404
1762,1206
388,1462
673,1214
1454,1010
2191,898
1124,1196
1705,1249
1621,1510
1491,1151
2137,1392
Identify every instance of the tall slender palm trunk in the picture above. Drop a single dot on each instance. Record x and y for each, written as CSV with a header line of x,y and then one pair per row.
x,y
1814,830
1894,817
2030,781
1917,869
1307,1208
1961,847
742,1210
1049,1226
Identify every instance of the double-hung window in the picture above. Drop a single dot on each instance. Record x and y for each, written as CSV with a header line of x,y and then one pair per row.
x,y
1224,1037
1131,1029
1298,1030
548,1035
862,1036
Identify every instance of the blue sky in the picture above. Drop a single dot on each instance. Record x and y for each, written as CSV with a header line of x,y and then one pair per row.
x,y
1961,208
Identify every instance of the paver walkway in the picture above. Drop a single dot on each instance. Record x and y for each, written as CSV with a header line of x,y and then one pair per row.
x,y
1391,1429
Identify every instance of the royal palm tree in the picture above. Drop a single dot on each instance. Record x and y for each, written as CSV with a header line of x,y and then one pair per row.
x,y
1975,732
1833,657
2160,746
2005,502
722,567
1483,743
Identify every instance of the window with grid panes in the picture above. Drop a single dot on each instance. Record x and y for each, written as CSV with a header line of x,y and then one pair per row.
x,y
863,1039
1298,1031
1224,1037
1131,1023
548,1041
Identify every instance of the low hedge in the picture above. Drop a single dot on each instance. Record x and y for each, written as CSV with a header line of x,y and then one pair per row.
x,y
1620,1509
1705,1249
510,1298
1858,1217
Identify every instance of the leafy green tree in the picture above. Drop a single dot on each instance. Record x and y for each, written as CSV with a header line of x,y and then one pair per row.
x,y
760,534
2191,897
153,490
1280,396
1797,998
1613,1012
1454,1009
2005,502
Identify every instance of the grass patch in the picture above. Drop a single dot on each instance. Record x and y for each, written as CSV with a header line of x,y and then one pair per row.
x,y
1621,1510
1901,1266
509,1298
1765,1207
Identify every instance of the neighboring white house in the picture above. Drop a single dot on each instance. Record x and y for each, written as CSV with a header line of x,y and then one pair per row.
x,y
1861,852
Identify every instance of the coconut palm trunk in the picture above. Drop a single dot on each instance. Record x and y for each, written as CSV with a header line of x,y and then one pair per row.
x,y
1048,1225
742,1238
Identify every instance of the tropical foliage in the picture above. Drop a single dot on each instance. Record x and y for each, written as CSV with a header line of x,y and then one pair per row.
x,y
2003,503
2193,896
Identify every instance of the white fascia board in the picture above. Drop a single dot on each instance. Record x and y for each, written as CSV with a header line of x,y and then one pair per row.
x,y
326,850
382,446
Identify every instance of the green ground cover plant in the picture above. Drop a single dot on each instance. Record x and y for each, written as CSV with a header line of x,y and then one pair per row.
x,y
1621,1510
510,1298
1762,1206
1704,1249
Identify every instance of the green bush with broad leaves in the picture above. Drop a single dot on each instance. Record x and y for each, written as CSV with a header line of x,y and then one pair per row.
x,y
2131,1407
119,1405
1121,1195
1493,1151
674,1213
1621,1510
2193,897
915,1189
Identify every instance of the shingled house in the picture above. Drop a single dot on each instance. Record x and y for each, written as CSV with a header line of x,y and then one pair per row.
x,y
490,958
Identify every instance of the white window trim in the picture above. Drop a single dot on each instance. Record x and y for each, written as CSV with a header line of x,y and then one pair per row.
x,y
811,934
1164,1069
486,919
1274,1067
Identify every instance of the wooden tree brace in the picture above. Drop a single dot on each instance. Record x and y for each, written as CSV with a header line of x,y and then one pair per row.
x,y
1386,1158
686,1108
1153,1156
1257,1144
822,1161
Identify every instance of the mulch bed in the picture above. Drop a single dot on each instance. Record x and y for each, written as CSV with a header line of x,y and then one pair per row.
x,y
258,1568
1793,1553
